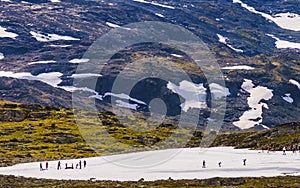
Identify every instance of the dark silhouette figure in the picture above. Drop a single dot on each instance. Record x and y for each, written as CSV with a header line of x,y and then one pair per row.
x,y
203,164
84,163
220,163
80,164
244,162
41,166
47,165
58,165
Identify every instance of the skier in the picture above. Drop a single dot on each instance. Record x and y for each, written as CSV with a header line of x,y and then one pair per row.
x,y
220,164
244,162
84,163
47,165
80,164
203,164
41,166
58,165
283,150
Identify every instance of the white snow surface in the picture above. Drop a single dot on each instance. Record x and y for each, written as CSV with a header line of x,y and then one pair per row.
x,y
289,21
55,1
253,116
185,164
284,44
238,67
6,34
1,56
50,37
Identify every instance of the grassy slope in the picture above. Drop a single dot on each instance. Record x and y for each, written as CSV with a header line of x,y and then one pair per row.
x,y
286,181
33,132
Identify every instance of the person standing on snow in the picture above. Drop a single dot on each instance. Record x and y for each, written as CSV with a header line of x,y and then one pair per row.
x,y
203,164
47,165
58,165
41,167
84,163
283,150
244,162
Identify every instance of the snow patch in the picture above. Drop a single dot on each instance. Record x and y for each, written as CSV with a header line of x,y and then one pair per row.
x,y
224,41
159,15
238,67
60,46
284,44
6,34
85,75
72,89
155,4
124,96
287,20
51,78
176,55
51,37
218,91
287,97
123,104
253,116
294,82
55,1
41,62
112,25
1,56
79,61
193,94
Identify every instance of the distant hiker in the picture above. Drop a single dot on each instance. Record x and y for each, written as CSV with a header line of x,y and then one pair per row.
x,y
58,165
203,164
80,164
72,166
47,165
268,149
291,146
283,150
76,165
66,165
219,164
244,162
41,166
84,163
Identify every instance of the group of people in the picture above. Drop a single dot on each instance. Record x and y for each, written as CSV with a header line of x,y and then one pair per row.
x,y
294,148
46,167
79,165
220,163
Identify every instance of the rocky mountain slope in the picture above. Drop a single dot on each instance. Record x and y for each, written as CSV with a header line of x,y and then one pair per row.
x,y
256,46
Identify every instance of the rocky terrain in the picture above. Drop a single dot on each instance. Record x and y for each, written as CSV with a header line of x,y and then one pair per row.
x,y
43,42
